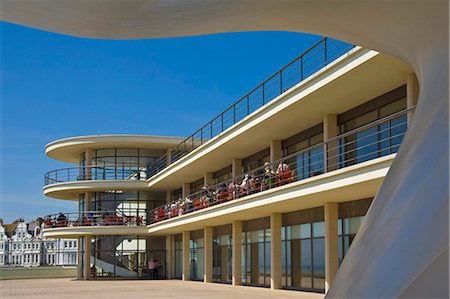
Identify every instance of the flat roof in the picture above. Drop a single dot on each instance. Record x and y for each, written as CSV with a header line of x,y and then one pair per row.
x,y
69,149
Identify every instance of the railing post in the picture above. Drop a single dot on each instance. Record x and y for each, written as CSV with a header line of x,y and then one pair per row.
x,y
211,129
390,134
325,50
221,117
301,68
281,81
201,136
234,114
248,105
263,92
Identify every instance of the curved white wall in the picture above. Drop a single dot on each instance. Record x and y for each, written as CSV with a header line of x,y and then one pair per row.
x,y
404,239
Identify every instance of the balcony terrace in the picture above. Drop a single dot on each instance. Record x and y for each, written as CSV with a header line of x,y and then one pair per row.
x,y
308,63
351,79
67,183
349,166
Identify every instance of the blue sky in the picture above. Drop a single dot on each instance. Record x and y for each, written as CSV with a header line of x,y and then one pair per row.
x,y
55,86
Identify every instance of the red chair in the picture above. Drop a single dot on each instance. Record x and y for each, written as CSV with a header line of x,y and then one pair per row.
x,y
198,204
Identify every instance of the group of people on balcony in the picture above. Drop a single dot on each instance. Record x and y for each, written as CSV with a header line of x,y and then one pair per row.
x,y
251,183
56,221
103,218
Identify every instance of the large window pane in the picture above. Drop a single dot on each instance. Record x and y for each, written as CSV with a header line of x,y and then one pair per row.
x,y
319,263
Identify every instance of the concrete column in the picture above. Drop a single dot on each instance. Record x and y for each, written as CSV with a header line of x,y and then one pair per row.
x,y
223,263
236,252
275,251
330,130
331,243
208,179
276,150
170,258
186,189
186,255
88,163
412,92
236,167
168,156
208,243
79,266
87,258
169,197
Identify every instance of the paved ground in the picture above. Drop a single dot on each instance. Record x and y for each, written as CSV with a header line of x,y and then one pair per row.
x,y
63,288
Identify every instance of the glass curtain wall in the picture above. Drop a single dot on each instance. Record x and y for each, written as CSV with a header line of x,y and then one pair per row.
x,y
176,194
81,203
309,163
377,141
351,215
222,254
256,252
196,255
303,250
82,164
222,175
196,185
256,160
123,163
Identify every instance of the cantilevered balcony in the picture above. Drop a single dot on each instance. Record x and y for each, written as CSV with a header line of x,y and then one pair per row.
x,y
103,222
67,183
369,148
314,59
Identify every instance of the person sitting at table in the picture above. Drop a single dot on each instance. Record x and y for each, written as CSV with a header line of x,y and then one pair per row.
x,y
207,195
232,190
62,219
221,193
283,173
245,186
181,207
47,221
173,209
268,177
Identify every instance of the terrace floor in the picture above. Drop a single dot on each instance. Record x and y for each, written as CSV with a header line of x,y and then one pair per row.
x,y
63,288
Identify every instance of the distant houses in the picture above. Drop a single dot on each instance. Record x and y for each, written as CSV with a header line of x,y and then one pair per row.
x,y
22,245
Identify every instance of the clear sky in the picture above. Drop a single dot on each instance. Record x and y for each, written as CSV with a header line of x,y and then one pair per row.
x,y
55,86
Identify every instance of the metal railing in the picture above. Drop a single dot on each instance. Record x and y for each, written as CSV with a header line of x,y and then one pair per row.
x,y
93,218
374,140
95,173
315,58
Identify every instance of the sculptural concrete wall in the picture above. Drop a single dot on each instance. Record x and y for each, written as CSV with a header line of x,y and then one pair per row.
x,y
402,247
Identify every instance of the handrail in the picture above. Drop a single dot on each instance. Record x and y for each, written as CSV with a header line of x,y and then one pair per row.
x,y
305,65
341,151
94,218
95,172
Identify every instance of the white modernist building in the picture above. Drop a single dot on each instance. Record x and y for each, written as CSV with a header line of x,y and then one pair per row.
x,y
403,241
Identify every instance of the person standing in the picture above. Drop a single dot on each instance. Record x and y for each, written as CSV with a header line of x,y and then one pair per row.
x,y
151,269
157,265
